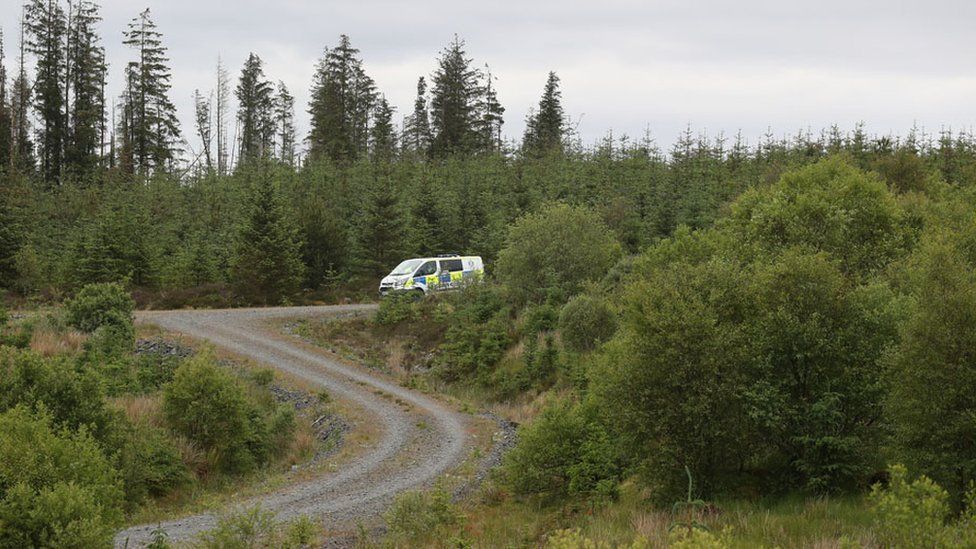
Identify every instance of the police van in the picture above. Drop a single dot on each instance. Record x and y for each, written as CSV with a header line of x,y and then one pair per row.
x,y
427,274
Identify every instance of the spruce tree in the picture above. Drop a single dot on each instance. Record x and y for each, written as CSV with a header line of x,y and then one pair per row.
x,y
382,136
86,77
46,30
416,133
490,113
545,128
22,153
454,103
6,120
255,113
267,265
284,119
150,131
381,230
342,99
10,241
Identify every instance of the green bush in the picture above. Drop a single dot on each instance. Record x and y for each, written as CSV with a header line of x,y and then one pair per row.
x,y
57,488
551,253
213,408
585,322
255,528
418,515
396,308
911,513
72,395
150,464
563,452
478,333
97,305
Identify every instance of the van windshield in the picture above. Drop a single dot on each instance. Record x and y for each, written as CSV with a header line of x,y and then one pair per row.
x,y
407,267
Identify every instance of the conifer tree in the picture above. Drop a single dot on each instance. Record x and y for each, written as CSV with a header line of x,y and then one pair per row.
x,y
202,108
416,132
9,242
6,120
86,77
22,152
454,103
46,28
267,266
382,136
150,131
342,99
284,115
255,112
490,113
545,128
380,235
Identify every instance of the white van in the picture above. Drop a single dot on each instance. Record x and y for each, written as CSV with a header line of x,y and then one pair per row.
x,y
428,274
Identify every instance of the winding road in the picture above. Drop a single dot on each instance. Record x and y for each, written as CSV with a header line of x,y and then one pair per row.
x,y
420,438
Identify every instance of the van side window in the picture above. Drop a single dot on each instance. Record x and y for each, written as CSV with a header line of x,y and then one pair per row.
x,y
426,269
451,265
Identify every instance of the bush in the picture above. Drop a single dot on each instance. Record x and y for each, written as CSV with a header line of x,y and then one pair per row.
x,y
477,334
97,305
150,464
551,253
256,528
72,396
416,515
911,513
396,308
57,489
585,322
563,452
212,408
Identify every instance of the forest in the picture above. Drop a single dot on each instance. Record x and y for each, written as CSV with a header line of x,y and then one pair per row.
x,y
713,323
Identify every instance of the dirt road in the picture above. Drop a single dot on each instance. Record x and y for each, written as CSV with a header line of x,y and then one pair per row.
x,y
420,438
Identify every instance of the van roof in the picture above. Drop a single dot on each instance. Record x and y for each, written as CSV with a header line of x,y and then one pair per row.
x,y
448,257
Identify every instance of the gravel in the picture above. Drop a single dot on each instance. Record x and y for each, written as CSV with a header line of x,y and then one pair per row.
x,y
161,347
401,457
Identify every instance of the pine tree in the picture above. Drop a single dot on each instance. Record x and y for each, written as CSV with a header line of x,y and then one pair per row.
x,y
284,107
10,241
382,136
545,128
87,70
490,113
267,266
255,112
454,103
416,133
342,99
46,29
6,120
202,108
220,113
150,131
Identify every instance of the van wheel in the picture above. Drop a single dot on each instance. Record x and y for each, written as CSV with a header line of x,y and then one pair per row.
x,y
417,295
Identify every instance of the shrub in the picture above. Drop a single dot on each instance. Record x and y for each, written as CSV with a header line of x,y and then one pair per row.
x,y
396,308
540,318
563,452
911,513
585,322
256,528
477,334
97,305
551,253
211,407
150,464
418,514
72,396
57,489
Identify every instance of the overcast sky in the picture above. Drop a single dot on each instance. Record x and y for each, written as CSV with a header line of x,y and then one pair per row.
x,y
625,65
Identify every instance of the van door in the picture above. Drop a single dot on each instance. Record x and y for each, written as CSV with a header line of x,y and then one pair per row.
x,y
426,275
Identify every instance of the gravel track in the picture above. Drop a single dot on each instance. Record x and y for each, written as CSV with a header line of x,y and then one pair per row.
x,y
404,457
